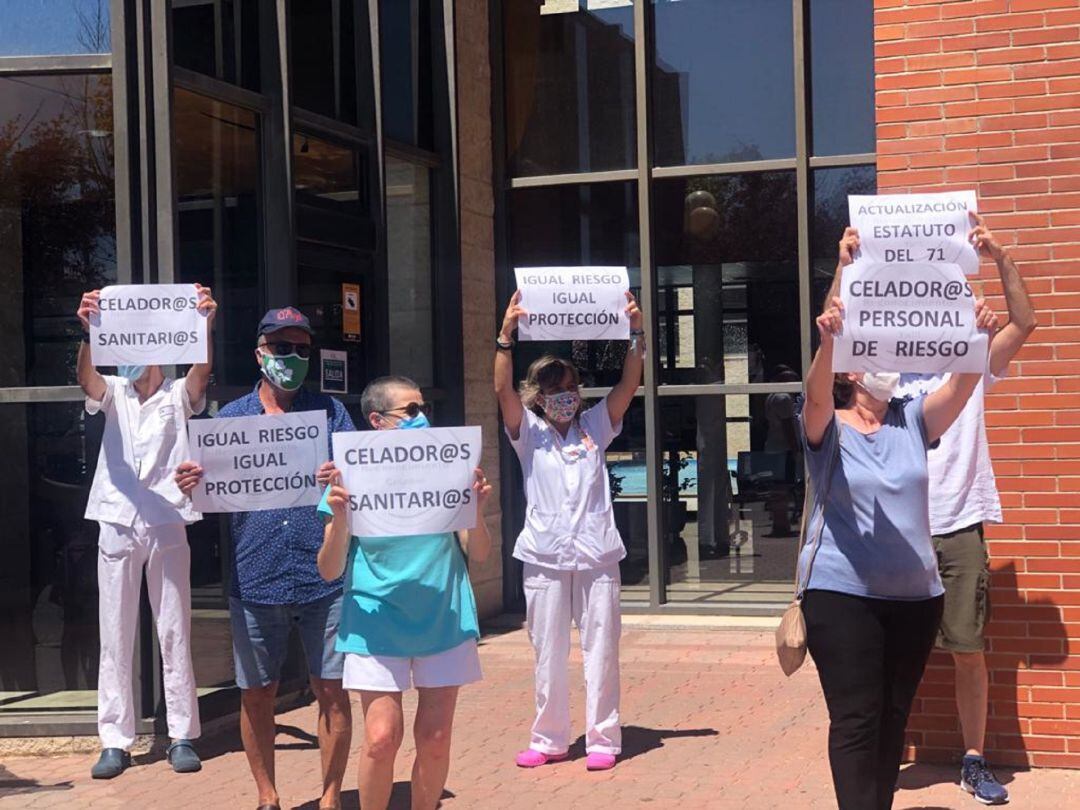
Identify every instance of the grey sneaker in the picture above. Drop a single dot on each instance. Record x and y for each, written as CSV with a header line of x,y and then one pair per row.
x,y
978,780
112,763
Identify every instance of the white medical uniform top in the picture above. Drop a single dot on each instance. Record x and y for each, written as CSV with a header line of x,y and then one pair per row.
x,y
142,446
569,522
963,490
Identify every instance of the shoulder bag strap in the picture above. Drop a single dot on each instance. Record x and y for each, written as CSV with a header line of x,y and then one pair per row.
x,y
817,501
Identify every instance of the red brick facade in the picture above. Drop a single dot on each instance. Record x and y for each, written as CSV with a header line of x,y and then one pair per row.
x,y
986,94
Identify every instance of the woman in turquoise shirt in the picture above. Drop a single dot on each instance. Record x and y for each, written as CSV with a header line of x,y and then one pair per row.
x,y
408,619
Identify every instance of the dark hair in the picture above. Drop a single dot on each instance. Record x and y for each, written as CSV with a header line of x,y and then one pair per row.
x,y
545,372
376,399
842,390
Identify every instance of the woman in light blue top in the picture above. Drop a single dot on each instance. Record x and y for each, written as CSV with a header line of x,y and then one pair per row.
x,y
872,596
408,619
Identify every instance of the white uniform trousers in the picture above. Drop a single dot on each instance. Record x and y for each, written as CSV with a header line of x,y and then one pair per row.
x,y
591,599
122,554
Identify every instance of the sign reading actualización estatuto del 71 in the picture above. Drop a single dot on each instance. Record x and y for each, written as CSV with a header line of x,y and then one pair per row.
x,y
148,325
904,228
409,482
573,303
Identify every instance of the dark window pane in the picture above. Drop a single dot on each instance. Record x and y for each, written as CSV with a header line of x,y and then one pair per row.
x,y
323,69
49,596
569,226
830,189
727,275
732,497
216,156
842,76
57,218
408,257
626,476
405,33
569,86
723,81
54,27
226,48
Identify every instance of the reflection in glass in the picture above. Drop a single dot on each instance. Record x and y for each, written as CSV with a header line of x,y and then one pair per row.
x,y
57,217
830,189
842,76
54,27
571,226
326,173
322,41
626,477
569,86
48,582
722,81
732,497
218,38
405,36
408,259
216,162
727,277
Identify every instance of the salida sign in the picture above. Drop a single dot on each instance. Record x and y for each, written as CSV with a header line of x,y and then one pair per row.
x,y
409,482
573,303
252,463
148,324
908,317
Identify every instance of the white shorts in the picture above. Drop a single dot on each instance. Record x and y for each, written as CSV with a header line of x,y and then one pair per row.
x,y
387,673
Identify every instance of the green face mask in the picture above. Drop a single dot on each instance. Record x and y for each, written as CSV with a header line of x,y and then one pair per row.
x,y
286,373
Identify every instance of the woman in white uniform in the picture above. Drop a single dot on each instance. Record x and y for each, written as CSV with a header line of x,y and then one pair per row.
x,y
569,544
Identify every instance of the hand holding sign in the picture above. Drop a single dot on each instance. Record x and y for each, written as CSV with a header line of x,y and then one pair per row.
x,y
148,324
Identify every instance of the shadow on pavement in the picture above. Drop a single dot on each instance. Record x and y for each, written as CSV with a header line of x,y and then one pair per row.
x,y
923,775
11,785
400,799
638,740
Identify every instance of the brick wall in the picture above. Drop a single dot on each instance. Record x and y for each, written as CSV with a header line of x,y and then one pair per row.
x,y
477,206
986,94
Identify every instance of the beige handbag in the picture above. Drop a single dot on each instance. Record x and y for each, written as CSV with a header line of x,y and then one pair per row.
x,y
791,634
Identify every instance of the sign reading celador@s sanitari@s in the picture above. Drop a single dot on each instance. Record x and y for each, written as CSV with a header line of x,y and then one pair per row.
x,y
251,463
931,228
148,325
409,482
908,317
573,303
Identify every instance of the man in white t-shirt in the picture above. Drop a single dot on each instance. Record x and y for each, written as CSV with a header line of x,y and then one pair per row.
x,y
963,497
143,520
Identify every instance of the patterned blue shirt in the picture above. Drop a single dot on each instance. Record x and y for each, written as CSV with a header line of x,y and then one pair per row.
x,y
275,551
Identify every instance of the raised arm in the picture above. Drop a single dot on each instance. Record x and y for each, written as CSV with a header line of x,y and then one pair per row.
x,y
818,409
90,380
1022,319
849,243
618,401
198,376
335,548
509,401
941,408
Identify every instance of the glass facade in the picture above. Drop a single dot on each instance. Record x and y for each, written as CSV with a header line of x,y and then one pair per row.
x,y
727,219
266,208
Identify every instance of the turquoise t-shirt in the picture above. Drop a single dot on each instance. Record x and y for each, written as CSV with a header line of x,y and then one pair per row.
x,y
405,597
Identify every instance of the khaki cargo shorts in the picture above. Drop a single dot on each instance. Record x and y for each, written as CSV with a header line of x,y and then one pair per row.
x,y
965,572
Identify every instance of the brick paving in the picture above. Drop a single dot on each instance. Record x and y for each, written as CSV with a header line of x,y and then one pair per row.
x,y
710,723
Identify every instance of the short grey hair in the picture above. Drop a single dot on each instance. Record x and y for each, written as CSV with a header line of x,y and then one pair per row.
x,y
376,396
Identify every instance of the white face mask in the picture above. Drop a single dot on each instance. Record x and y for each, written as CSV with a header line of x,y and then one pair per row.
x,y
881,385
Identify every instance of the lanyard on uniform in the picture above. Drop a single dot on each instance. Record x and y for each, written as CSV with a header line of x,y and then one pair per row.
x,y
578,451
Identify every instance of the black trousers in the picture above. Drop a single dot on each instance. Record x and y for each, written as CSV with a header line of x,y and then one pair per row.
x,y
870,655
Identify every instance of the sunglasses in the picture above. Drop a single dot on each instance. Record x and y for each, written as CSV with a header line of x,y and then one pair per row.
x,y
413,409
281,348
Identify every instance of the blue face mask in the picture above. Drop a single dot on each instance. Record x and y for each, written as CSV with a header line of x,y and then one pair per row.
x,y
131,373
418,421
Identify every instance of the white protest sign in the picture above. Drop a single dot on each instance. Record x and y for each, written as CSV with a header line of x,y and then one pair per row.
x,y
148,325
408,482
573,303
252,463
930,228
908,317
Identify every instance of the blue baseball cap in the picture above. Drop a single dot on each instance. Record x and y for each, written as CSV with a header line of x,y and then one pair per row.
x,y
284,318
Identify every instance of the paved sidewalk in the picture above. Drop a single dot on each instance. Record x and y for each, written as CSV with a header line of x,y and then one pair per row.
x,y
710,723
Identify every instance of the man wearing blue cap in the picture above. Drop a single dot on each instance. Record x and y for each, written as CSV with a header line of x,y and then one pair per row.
x,y
276,583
